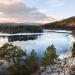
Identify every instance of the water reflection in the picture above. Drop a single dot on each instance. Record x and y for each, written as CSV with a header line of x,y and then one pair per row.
x,y
39,42
21,37
61,41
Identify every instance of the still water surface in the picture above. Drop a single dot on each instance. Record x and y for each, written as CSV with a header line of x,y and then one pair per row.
x,y
62,40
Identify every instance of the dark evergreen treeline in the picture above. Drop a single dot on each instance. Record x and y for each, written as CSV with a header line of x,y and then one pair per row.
x,y
19,28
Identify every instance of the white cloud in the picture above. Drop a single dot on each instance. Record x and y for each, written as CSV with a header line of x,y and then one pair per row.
x,y
16,10
9,1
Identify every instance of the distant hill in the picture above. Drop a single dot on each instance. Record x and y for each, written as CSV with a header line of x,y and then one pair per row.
x,y
63,24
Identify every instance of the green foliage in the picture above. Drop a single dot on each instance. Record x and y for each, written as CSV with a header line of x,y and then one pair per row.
x,y
19,28
49,56
73,50
32,62
11,53
18,69
30,66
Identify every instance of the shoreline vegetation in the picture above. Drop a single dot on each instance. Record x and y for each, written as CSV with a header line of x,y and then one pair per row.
x,y
21,63
15,61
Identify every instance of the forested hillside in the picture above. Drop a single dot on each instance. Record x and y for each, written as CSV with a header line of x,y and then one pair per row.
x,y
68,24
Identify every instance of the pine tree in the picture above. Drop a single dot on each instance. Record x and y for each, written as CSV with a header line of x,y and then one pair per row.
x,y
49,56
31,62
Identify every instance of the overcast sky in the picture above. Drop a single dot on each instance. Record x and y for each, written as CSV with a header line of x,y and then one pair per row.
x,y
35,10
